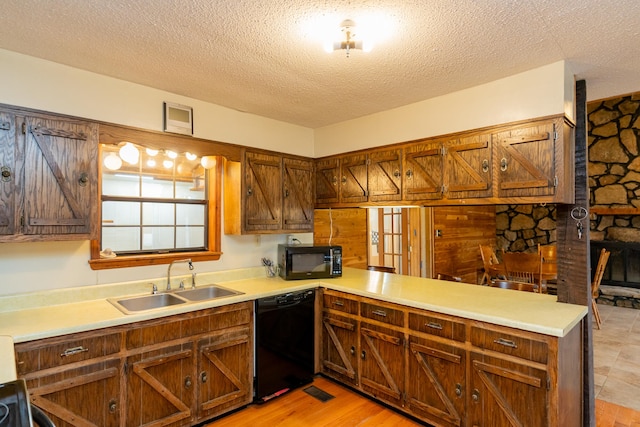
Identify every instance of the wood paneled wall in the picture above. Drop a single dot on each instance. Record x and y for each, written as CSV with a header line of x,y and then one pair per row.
x,y
458,230
345,227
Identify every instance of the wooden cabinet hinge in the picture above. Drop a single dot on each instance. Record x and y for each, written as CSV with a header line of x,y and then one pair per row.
x,y
548,383
555,181
555,135
24,128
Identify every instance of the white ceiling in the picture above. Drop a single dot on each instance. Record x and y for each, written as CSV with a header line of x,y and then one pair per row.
x,y
263,58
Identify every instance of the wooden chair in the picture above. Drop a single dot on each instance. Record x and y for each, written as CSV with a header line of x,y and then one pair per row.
x,y
381,268
492,267
595,284
448,277
549,253
523,267
518,286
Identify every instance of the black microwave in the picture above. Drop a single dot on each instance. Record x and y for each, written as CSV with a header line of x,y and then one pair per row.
x,y
309,261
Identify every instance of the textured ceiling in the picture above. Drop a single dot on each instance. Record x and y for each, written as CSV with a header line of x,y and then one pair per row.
x,y
264,57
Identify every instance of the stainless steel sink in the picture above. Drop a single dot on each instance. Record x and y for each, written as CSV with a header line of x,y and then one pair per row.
x,y
147,302
202,293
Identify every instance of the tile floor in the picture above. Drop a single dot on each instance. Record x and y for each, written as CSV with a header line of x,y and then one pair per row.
x,y
616,354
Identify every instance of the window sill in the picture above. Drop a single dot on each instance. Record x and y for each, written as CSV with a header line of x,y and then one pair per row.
x,y
155,259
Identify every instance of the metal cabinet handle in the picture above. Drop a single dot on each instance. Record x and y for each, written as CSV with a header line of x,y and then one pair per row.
x,y
249,191
506,343
5,173
339,303
381,313
363,355
353,350
475,395
203,377
396,173
503,164
334,180
112,406
485,166
286,193
458,390
409,173
71,351
344,179
83,180
433,325
187,382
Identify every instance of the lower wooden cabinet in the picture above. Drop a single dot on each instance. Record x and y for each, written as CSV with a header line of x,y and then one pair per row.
x,y
174,371
451,371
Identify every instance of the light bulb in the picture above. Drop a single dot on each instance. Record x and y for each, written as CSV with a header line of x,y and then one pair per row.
x,y
112,162
129,153
151,163
152,152
171,154
167,164
190,156
208,162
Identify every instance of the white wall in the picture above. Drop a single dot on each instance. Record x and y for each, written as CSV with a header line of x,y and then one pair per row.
x,y
544,91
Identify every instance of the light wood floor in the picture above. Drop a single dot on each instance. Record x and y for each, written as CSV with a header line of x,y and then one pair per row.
x,y
349,409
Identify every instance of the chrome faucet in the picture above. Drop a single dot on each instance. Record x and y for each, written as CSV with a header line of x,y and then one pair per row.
x,y
188,260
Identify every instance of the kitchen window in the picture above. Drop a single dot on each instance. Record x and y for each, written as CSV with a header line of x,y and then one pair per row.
x,y
156,206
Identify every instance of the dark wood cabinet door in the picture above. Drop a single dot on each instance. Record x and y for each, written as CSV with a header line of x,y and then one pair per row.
x,y
327,181
224,372
423,171
507,393
353,178
8,175
385,175
382,363
526,157
61,177
437,388
340,348
468,167
160,387
298,195
262,192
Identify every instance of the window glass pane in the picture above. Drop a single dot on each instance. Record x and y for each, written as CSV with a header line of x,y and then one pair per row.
x,y
158,213
388,260
190,182
154,238
121,238
396,243
120,184
190,214
190,237
397,220
387,224
120,213
157,187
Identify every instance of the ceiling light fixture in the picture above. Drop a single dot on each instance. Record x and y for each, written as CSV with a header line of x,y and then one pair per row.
x,y
350,40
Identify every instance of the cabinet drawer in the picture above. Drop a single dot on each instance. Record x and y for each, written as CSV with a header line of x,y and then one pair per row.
x,y
512,344
433,325
382,314
340,303
49,353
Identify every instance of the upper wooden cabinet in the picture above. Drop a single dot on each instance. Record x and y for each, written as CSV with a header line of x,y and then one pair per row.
x,y
519,163
268,193
49,178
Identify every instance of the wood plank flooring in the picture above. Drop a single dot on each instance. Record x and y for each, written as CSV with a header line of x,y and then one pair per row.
x,y
349,409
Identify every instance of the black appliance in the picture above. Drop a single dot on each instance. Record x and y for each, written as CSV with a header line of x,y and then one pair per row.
x,y
284,353
309,261
15,409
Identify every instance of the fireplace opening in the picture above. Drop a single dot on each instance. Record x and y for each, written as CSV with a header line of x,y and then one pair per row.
x,y
623,268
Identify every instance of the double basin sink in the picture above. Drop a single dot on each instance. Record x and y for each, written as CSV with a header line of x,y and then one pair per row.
x,y
135,304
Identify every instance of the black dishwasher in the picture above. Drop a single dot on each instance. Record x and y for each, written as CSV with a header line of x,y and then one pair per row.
x,y
284,343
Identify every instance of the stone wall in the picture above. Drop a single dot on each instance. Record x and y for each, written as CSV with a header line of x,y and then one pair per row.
x,y
520,228
614,167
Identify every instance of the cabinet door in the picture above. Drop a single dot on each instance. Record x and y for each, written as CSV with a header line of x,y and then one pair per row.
x,y
507,393
340,348
385,175
327,188
61,177
382,366
468,167
160,387
353,178
8,159
225,372
298,195
526,160
263,192
437,387
423,176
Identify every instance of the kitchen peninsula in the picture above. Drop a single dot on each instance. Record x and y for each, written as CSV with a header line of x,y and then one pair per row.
x,y
493,334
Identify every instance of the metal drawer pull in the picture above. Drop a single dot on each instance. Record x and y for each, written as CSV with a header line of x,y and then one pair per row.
x,y
379,313
72,351
434,325
458,390
506,343
339,303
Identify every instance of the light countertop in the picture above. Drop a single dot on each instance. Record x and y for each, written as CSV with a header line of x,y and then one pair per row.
x,y
26,317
